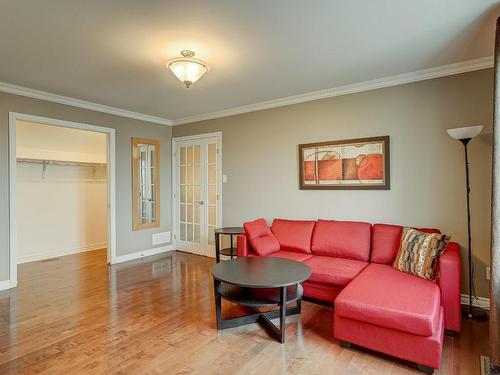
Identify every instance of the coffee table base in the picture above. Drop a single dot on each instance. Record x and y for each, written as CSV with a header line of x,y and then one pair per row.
x,y
262,317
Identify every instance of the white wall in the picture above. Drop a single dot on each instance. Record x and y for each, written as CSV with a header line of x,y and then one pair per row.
x,y
63,211
58,143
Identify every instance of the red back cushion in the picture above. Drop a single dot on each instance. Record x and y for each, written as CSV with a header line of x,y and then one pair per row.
x,y
345,239
261,238
293,235
385,242
386,239
428,230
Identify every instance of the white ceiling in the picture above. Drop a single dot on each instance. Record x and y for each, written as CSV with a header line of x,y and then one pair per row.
x,y
113,52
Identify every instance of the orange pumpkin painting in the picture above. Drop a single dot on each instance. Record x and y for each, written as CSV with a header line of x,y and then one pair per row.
x,y
356,163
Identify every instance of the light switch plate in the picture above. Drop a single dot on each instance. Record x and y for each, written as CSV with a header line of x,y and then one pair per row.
x,y
224,178
161,238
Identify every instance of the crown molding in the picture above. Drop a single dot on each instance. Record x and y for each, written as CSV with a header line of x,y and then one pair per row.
x,y
66,100
419,75
400,79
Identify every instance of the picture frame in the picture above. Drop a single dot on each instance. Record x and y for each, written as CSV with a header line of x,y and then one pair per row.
x,y
352,164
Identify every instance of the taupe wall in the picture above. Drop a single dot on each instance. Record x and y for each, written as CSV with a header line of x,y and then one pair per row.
x,y
427,171
128,241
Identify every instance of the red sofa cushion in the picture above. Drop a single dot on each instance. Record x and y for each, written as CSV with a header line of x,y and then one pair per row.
x,y
428,230
386,239
385,242
345,239
260,237
293,235
384,296
333,270
293,255
424,350
321,292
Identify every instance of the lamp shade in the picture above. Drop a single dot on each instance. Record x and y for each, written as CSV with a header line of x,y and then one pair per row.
x,y
466,132
187,69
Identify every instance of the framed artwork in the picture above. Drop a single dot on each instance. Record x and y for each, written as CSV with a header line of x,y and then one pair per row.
x,y
350,164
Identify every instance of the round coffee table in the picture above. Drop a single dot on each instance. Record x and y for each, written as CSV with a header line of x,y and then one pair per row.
x,y
259,282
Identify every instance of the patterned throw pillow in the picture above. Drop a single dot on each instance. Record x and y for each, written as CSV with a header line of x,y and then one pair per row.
x,y
419,253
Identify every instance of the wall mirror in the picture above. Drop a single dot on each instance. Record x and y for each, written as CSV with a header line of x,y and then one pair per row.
x,y
145,183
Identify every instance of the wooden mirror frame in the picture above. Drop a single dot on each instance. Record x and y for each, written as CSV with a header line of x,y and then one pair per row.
x,y
136,223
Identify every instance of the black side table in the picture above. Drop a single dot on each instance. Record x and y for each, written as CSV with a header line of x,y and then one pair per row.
x,y
229,251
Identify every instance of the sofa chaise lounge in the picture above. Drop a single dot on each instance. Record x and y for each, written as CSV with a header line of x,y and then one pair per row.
x,y
375,305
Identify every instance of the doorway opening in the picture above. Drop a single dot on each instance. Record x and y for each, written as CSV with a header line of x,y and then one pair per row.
x,y
62,198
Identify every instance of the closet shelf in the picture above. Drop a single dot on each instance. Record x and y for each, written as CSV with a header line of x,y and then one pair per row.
x,y
60,162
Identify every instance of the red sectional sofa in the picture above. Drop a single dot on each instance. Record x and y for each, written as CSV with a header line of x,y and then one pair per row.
x,y
376,306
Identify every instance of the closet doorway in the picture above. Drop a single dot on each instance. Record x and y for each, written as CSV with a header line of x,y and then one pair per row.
x,y
61,189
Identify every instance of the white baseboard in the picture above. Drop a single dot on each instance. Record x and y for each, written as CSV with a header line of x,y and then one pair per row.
x,y
481,302
5,284
61,252
142,254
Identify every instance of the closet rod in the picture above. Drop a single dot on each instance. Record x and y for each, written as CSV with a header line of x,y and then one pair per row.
x,y
59,162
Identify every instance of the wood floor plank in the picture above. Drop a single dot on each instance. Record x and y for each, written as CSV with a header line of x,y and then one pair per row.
x,y
76,315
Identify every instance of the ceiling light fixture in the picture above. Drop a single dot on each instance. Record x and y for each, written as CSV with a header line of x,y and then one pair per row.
x,y
188,69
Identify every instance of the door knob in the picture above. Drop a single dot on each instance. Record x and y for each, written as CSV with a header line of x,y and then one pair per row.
x,y
201,203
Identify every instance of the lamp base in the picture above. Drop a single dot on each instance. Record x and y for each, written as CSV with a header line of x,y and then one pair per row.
x,y
476,314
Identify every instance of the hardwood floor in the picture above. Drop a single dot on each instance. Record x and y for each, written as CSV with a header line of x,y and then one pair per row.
x,y
76,315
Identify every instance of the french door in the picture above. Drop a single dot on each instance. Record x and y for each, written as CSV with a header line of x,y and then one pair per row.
x,y
197,192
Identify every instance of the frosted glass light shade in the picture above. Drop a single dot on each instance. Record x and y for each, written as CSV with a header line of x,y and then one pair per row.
x,y
187,69
465,132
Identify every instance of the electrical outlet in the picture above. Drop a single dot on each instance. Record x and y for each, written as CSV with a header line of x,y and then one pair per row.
x,y
488,273
161,238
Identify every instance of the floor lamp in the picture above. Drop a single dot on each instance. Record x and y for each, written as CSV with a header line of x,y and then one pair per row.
x,y
464,135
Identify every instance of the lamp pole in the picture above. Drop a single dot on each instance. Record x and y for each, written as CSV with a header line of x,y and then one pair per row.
x,y
465,141
464,135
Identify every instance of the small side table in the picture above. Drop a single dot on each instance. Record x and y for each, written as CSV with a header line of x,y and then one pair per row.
x,y
229,251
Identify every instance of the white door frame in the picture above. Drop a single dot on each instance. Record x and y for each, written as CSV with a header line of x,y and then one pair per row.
x,y
175,179
110,133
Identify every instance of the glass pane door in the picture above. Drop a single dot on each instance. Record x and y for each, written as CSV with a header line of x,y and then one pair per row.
x,y
198,195
191,202
212,192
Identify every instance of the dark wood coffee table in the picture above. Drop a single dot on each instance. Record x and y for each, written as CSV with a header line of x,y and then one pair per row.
x,y
228,251
259,282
